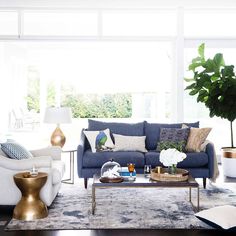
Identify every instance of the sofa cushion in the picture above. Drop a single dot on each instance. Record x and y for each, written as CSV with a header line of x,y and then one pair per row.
x,y
173,138
96,160
129,143
99,140
15,150
193,160
58,170
152,132
131,129
196,138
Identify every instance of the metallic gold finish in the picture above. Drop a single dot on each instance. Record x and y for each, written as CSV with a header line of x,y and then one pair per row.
x,y
58,138
30,207
229,153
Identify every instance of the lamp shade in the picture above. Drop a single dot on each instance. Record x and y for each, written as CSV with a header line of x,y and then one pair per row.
x,y
58,115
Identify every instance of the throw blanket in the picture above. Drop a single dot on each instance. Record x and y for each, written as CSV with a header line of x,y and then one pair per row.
x,y
216,169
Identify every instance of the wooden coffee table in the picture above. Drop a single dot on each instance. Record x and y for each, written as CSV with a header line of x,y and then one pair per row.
x,y
143,182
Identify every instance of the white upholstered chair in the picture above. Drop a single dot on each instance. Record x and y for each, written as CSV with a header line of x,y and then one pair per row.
x,y
45,160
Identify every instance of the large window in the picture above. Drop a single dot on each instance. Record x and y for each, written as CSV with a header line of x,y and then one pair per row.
x,y
108,62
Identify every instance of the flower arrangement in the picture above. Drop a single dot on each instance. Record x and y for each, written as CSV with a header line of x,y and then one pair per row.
x,y
171,157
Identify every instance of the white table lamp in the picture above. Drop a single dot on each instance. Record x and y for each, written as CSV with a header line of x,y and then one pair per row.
x,y
58,115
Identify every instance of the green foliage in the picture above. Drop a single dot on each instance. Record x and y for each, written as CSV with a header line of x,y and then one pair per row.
x,y
51,94
99,106
33,91
214,84
164,145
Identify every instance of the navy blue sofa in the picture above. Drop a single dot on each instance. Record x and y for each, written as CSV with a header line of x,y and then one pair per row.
x,y
200,164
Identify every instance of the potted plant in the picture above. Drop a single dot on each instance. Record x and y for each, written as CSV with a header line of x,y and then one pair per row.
x,y
214,84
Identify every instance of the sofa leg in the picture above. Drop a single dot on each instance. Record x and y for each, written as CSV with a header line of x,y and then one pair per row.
x,y
204,183
85,183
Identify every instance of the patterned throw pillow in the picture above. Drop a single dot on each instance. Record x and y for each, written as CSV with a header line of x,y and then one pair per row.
x,y
173,138
129,143
99,140
197,136
15,151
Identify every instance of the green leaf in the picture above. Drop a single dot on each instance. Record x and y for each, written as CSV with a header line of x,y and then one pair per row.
x,y
220,98
214,78
190,86
189,79
193,66
193,92
219,60
209,65
201,50
228,71
197,60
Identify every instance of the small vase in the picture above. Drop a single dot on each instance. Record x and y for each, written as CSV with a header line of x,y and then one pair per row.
x,y
172,169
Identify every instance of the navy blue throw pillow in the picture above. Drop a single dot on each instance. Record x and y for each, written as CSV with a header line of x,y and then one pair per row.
x,y
173,138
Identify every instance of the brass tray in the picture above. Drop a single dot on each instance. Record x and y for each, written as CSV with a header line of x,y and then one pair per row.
x,y
111,180
181,175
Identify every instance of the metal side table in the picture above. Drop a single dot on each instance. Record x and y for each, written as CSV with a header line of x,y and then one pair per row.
x,y
72,157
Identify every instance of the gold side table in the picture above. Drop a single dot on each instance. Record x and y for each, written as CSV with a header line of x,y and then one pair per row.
x,y
72,157
30,207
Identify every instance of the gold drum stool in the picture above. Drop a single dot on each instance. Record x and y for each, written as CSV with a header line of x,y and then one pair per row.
x,y
30,207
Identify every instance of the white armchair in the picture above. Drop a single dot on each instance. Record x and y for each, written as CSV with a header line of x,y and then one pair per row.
x,y
45,160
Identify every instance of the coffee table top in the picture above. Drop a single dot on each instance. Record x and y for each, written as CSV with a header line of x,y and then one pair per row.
x,y
142,181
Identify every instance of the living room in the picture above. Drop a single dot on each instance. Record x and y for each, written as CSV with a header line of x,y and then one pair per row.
x,y
121,65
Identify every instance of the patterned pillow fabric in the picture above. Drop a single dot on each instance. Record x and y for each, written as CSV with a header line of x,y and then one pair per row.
x,y
15,151
197,136
173,138
99,140
129,143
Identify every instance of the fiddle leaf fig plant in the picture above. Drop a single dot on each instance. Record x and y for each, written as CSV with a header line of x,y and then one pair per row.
x,y
214,84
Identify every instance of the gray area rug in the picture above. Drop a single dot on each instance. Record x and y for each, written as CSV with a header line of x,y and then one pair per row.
x,y
139,208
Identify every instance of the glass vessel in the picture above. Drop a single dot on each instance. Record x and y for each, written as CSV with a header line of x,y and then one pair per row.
x,y
147,170
110,169
131,170
172,169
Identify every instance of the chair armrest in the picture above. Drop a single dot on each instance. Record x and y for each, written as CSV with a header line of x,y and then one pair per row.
x,y
80,153
25,164
52,151
210,151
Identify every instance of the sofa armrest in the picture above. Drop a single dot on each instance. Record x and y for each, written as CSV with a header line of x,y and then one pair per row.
x,y
52,151
80,153
210,151
25,164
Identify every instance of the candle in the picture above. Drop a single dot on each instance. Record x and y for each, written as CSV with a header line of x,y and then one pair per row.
x,y
159,169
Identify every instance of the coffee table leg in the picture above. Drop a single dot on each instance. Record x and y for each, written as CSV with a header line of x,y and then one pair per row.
x,y
198,199
93,199
190,194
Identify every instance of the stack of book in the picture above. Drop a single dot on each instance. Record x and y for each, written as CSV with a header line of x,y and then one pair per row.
x,y
124,172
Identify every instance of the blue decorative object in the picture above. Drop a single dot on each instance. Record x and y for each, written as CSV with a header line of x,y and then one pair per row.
x,y
15,151
100,141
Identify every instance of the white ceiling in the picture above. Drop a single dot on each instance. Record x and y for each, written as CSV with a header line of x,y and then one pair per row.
x,y
116,3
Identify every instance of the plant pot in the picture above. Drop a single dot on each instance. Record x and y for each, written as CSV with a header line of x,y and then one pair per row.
x,y
229,162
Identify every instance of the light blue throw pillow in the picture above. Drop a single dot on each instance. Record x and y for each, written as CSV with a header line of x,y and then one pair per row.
x,y
15,151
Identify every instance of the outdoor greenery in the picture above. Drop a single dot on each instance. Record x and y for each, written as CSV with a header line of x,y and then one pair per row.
x,y
214,84
99,106
33,90
83,106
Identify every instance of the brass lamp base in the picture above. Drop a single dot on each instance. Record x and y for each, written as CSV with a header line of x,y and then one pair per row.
x,y
58,138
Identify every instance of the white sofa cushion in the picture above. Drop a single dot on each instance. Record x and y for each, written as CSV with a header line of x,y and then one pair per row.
x,y
219,217
58,170
129,143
